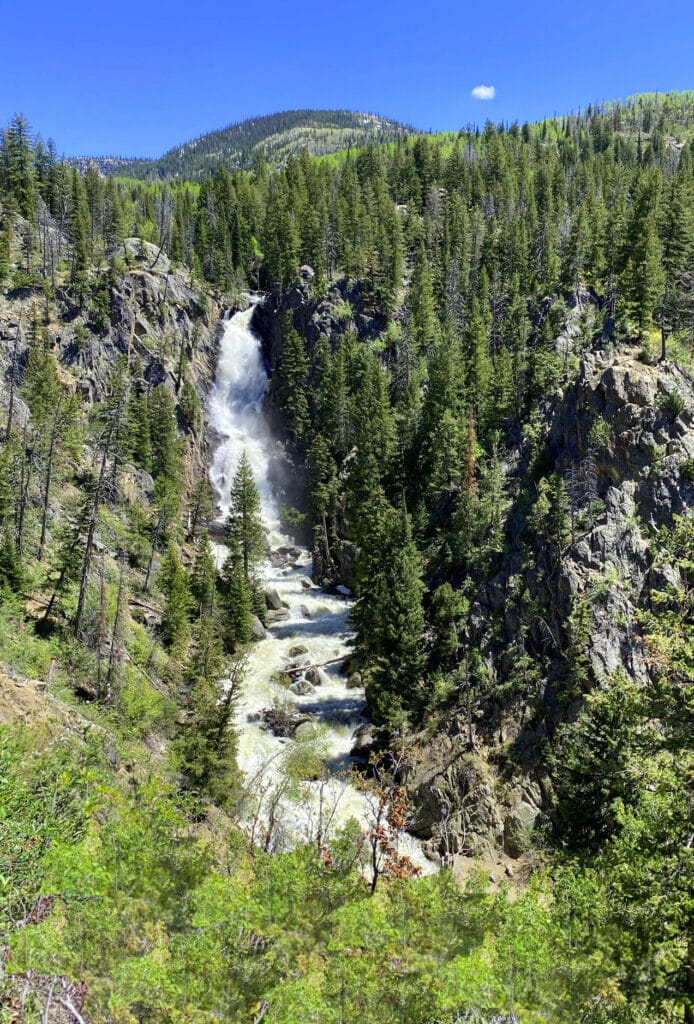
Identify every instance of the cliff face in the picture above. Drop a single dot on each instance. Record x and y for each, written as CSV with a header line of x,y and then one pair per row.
x,y
563,617
342,308
560,615
328,317
155,314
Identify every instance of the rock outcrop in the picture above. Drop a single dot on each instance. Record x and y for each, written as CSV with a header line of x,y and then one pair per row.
x,y
621,437
330,316
155,314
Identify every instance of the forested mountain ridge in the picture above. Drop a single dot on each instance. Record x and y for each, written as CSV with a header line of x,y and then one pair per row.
x,y
270,139
480,357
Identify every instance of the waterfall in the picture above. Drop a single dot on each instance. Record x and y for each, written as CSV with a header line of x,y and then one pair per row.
x,y
235,412
284,781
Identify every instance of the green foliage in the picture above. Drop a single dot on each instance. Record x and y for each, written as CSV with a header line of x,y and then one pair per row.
x,y
206,743
168,919
600,434
671,403
291,375
175,585
388,613
243,593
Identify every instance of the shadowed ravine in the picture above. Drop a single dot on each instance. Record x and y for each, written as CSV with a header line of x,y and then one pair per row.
x,y
313,807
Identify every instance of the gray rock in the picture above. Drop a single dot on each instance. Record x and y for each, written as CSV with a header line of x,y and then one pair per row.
x,y
297,650
283,721
144,482
302,687
258,629
273,600
518,828
316,676
363,740
289,551
277,616
305,731
355,681
304,609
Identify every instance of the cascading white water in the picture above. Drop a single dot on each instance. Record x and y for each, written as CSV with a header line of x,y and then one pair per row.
x,y
235,413
316,621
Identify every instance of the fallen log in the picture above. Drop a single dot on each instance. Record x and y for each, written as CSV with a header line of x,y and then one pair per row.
x,y
305,668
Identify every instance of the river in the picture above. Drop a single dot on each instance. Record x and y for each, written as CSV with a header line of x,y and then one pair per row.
x,y
299,787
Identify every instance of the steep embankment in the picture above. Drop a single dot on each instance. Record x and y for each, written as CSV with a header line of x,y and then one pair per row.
x,y
141,310
607,464
622,436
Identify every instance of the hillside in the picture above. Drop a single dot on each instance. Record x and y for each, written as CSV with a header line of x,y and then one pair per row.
x,y
272,137
470,363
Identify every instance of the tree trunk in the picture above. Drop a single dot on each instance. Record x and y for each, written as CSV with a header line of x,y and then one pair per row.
x,y
82,600
47,485
13,372
117,652
25,480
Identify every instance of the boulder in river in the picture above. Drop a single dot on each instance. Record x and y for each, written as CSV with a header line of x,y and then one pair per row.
x,y
305,731
273,600
355,681
305,611
297,650
289,551
316,676
363,737
302,687
257,628
277,616
300,661
282,721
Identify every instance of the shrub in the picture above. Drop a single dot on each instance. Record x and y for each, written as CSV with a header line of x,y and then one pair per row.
x,y
671,403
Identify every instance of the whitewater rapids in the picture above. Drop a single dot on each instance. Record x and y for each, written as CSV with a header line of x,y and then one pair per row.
x,y
279,813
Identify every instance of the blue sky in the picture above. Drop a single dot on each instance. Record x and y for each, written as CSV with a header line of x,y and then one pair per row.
x,y
135,78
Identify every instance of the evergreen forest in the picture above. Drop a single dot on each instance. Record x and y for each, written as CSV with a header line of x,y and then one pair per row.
x,y
480,351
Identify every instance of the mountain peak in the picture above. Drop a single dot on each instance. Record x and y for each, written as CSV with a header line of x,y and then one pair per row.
x,y
275,136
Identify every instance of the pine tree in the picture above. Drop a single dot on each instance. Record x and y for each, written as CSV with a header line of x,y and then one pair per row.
x,y
203,577
323,488
79,234
292,374
12,572
677,233
643,279
206,742
643,276
422,324
140,431
17,176
244,525
388,614
164,440
5,249
244,532
238,597
175,585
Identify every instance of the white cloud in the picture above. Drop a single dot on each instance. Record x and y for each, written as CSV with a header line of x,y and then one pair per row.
x,y
484,92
